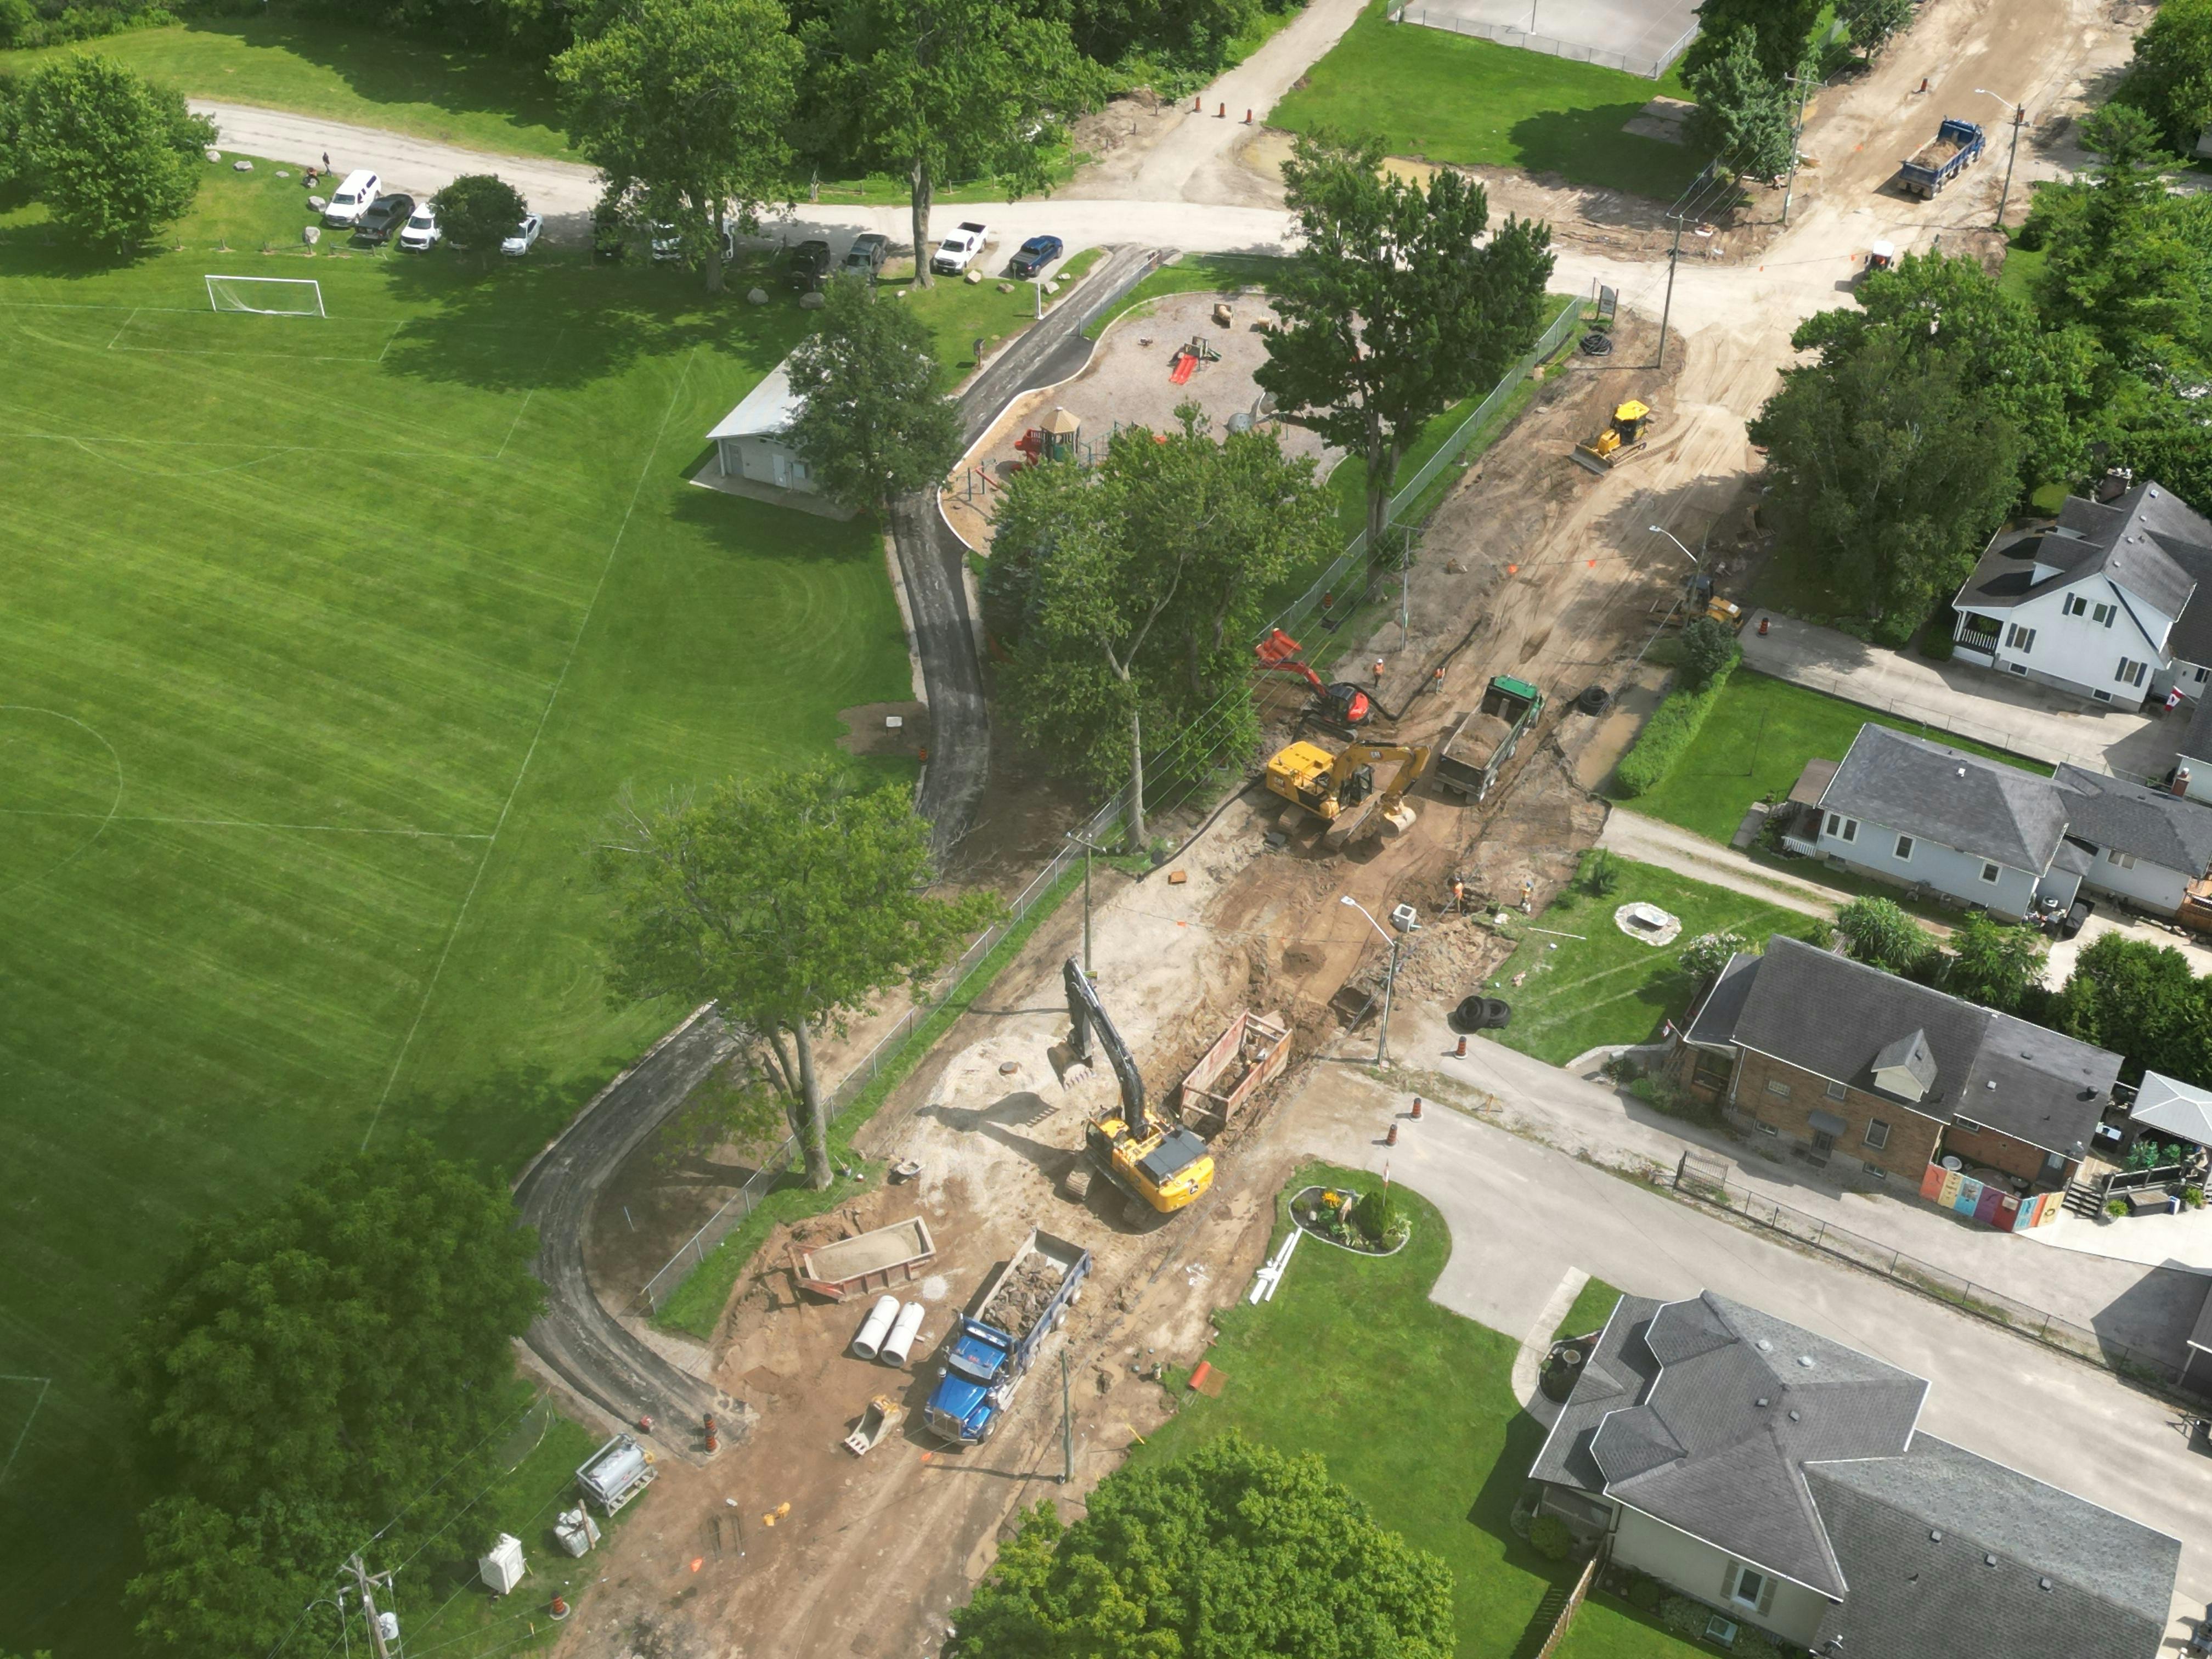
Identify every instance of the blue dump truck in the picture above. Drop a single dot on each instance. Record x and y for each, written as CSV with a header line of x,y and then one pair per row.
x,y
986,1357
1955,147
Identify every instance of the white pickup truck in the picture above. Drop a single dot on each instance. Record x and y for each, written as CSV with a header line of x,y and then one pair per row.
x,y
958,251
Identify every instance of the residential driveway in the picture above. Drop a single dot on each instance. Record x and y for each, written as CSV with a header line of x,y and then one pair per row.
x,y
1653,841
1522,1215
1956,697
2059,965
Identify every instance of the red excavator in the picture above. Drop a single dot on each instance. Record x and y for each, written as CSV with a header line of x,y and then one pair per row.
x,y
1342,707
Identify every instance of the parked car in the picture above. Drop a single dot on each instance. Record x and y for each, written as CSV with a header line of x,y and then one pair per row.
x,y
1035,254
809,264
866,256
421,232
354,192
668,243
524,237
958,251
381,220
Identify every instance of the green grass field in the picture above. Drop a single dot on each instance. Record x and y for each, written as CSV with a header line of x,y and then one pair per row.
x,y
328,644
367,77
1757,740
1600,987
1451,98
1417,1416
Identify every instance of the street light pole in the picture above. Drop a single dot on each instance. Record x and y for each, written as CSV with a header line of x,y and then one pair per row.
x,y
1390,982
1677,540
2018,120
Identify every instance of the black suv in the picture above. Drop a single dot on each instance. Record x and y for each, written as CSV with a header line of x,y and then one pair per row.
x,y
866,256
810,264
381,220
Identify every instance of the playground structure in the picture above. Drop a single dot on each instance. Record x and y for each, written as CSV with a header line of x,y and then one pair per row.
x,y
1188,357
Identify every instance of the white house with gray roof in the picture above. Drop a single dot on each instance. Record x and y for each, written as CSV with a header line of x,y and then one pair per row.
x,y
1784,1480
1917,813
2109,602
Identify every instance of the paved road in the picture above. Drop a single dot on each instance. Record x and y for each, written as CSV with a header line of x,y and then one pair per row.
x,y
1522,1215
576,1338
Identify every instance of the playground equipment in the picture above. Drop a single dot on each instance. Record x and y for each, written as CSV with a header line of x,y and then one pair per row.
x,y
1189,356
1053,440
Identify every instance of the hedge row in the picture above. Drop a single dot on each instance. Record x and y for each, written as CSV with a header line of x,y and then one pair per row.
x,y
1667,736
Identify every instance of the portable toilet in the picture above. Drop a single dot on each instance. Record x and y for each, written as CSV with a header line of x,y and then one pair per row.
x,y
502,1569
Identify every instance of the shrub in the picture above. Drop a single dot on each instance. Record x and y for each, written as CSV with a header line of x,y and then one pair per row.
x,y
1667,736
1819,933
1601,875
1643,1593
1683,1616
1707,954
1549,1537
2116,1206
2192,1198
1709,649
1375,1216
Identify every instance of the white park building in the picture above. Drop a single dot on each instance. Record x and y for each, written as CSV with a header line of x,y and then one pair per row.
x,y
748,442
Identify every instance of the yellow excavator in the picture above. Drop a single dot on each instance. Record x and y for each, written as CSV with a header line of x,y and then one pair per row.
x,y
1623,436
1159,1166
1341,788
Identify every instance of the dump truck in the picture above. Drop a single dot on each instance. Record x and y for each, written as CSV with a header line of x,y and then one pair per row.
x,y
987,1356
1955,147
1483,738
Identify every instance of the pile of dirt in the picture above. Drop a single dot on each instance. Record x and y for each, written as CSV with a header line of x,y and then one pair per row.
x,y
1442,962
1028,1290
1480,738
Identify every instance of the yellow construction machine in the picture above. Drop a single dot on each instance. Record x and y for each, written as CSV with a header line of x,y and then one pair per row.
x,y
1159,1166
1622,437
1340,789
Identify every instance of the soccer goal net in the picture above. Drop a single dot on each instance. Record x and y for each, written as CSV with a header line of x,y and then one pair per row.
x,y
266,297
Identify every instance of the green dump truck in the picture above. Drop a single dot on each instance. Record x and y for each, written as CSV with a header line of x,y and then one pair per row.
x,y
1483,738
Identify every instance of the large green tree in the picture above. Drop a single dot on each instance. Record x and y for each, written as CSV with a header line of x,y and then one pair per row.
x,y
1998,964
1781,32
938,91
873,424
114,157
1743,115
305,1372
1874,23
1877,931
1889,474
1394,308
477,211
792,902
1129,594
1234,1550
690,102
2172,78
2142,1001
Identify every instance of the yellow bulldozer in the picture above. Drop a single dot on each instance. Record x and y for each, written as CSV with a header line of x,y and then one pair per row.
x,y
1158,1165
1623,436
1342,789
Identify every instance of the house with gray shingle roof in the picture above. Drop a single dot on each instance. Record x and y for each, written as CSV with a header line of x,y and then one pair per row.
x,y
2110,602
1905,810
1783,1479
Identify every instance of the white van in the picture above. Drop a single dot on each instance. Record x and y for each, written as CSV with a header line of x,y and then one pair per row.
x,y
360,189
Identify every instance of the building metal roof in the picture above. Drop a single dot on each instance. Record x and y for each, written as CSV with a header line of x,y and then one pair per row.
x,y
1951,1556
1834,1017
1930,791
763,412
2174,1108
2162,828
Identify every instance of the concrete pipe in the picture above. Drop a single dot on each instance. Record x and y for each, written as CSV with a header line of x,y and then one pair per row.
x,y
898,1346
876,1327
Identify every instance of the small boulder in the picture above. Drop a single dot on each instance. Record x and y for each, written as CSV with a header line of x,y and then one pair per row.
x,y
757,297
311,234
241,167
317,203
281,173
812,302
1052,287
975,276
1005,288
213,154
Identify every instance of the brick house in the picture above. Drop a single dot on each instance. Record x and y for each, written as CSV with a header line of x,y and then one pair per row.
x,y
1875,1077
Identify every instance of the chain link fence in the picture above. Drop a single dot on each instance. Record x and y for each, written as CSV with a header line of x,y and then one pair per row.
x,y
1575,51
1709,1183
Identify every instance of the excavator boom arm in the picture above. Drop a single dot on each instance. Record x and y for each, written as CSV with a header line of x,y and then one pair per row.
x,y
1087,1014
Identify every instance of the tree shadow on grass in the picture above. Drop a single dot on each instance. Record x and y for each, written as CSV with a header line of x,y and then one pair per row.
x,y
500,1112
1588,146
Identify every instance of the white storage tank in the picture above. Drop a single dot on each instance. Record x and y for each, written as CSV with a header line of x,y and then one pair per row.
x,y
898,1346
876,1327
502,1568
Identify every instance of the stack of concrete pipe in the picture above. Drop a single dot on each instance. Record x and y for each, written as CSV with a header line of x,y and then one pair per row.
x,y
889,1331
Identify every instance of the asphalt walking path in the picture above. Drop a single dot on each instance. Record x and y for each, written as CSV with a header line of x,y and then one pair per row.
x,y
1650,841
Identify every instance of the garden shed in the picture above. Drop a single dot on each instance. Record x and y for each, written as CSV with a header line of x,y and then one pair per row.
x,y
750,443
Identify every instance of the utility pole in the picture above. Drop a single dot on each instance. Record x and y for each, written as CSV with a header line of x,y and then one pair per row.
x,y
1389,986
2018,120
1666,310
1796,132
1087,850
366,1582
1066,1424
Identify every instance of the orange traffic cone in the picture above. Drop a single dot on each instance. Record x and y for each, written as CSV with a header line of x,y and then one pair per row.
x,y
1391,1137
1459,1053
1417,1109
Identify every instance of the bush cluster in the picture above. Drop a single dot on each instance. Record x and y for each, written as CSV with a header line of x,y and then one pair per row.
x,y
1550,1537
1667,736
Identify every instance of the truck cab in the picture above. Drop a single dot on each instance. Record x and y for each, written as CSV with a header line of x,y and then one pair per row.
x,y
964,1407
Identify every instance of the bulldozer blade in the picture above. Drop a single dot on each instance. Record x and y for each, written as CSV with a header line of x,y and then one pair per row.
x,y
1591,463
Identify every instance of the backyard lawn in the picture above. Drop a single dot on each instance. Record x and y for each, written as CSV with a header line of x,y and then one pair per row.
x,y
1413,1408
1589,985
1757,740
1445,97
330,643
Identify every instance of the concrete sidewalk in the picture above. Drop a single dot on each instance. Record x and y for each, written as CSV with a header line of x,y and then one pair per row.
x,y
1959,699
2145,1305
1522,1216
